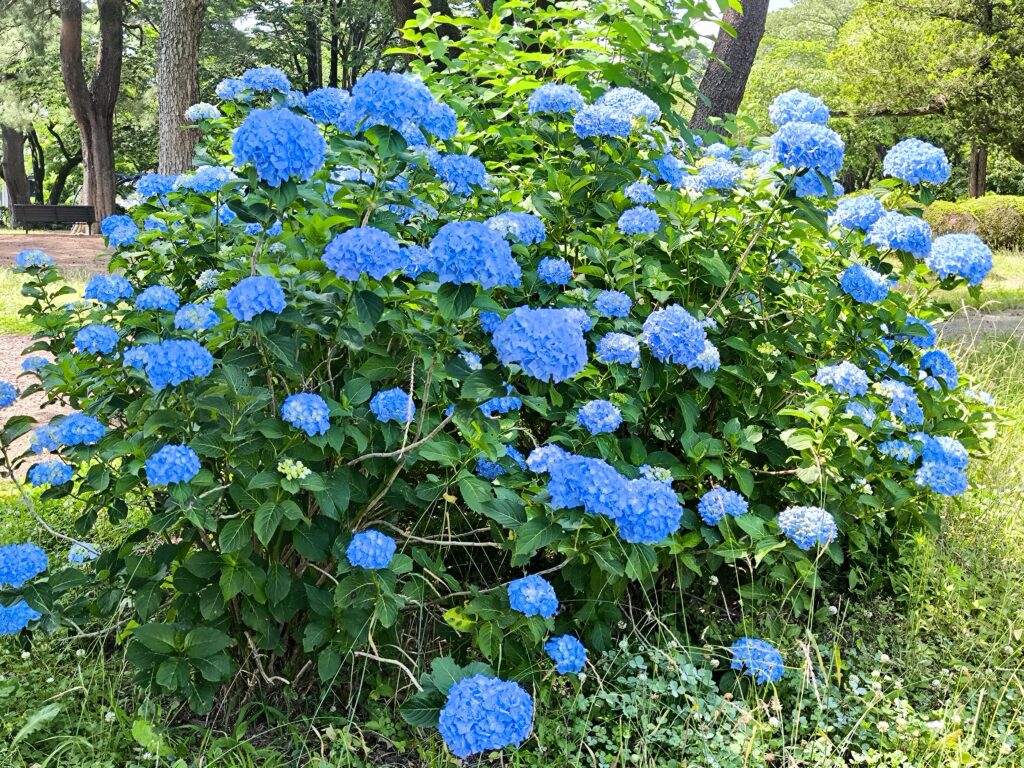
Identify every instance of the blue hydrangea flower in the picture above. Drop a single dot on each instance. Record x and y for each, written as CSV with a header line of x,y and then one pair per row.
x,y
797,107
489,470
940,366
81,552
196,317
15,618
670,170
175,361
613,304
862,412
708,360
308,412
915,162
371,550
845,378
544,458
807,526
229,88
254,228
901,232
962,255
942,450
484,713
640,192
533,595
393,405
32,257
580,316
21,562
205,180
720,174
651,514
96,339
472,252
415,260
490,321
674,335
155,185
440,121
265,79
226,216
591,483
630,102
363,250
619,348
253,295
942,478
280,144
568,654
44,438
522,227
79,429
460,172
119,230
808,145
51,472
718,150
903,402
719,502
810,184
172,464
135,357
554,271
899,450
201,111
497,406
547,344
153,224
394,99
554,98
639,220
108,288
864,284
599,416
926,341
326,105
598,120
857,212
757,658
158,297
8,393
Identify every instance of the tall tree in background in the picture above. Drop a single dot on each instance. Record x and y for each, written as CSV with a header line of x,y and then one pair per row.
x,y
13,166
93,102
181,28
721,89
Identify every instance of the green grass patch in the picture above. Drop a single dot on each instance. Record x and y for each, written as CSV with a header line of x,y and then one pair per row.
x,y
11,301
1003,289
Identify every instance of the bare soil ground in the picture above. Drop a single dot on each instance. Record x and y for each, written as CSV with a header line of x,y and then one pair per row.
x,y
74,254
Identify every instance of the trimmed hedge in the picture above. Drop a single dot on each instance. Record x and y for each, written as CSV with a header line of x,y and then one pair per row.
x,y
997,219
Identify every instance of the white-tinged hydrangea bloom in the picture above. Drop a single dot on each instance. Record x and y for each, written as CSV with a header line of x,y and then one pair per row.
x,y
797,107
719,502
808,527
599,416
202,111
554,98
845,378
857,212
522,227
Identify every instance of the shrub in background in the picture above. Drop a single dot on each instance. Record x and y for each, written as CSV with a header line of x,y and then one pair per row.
x,y
416,376
997,219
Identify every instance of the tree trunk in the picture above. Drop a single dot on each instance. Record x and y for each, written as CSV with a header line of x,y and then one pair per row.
x,y
725,80
38,165
314,52
92,103
977,170
181,27
332,17
14,168
60,179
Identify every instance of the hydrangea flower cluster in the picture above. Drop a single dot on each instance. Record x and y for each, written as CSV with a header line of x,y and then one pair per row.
x,y
568,654
806,145
196,317
393,405
473,252
21,562
943,464
619,348
175,361
601,122
155,185
79,429
860,411
631,102
363,250
599,416
31,258
554,271
8,393
939,366
899,450
307,412
279,144
757,658
119,230
613,304
172,464
533,595
903,402
50,472
484,713
674,335
639,221
916,162
254,295
960,255
460,172
158,297
864,284
719,502
200,111
901,233
808,527
371,550
845,378
721,175
857,212
326,105
16,617
797,107
108,289
522,227
554,98
96,339
547,344
640,192
204,180
498,406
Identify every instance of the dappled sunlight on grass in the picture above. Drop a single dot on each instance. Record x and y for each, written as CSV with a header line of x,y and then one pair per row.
x,y
11,300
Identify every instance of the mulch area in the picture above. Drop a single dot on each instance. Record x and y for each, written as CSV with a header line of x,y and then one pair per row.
x,y
74,254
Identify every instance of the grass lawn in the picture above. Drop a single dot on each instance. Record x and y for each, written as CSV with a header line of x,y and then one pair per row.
x,y
11,300
929,675
1004,286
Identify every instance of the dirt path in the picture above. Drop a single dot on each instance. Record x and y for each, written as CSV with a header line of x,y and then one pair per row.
x,y
74,254
971,325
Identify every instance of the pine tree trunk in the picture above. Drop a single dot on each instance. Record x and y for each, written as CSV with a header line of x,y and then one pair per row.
x,y
14,168
181,28
93,103
332,16
725,80
977,171
314,51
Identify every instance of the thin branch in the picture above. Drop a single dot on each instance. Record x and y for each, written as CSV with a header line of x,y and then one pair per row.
x,y
395,662
403,449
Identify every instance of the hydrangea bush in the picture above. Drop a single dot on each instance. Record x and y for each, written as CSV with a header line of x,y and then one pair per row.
x,y
431,365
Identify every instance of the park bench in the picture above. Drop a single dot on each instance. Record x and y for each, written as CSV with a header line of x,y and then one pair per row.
x,y
33,215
